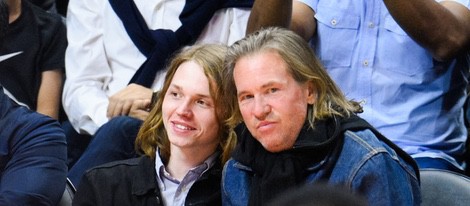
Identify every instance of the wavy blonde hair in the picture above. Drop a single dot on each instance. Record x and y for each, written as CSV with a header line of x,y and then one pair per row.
x,y
303,65
210,57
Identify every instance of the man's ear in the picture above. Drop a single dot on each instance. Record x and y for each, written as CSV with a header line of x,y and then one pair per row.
x,y
312,93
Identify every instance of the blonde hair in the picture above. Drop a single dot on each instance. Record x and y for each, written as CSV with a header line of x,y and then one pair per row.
x,y
152,134
303,65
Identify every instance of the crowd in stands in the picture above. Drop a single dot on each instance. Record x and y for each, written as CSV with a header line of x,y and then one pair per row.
x,y
231,102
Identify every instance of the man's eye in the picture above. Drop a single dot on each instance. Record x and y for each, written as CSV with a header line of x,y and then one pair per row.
x,y
174,94
201,102
245,97
273,90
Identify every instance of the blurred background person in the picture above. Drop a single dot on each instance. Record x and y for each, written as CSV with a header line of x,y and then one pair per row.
x,y
33,58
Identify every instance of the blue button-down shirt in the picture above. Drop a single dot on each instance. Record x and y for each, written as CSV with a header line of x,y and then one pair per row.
x,y
409,97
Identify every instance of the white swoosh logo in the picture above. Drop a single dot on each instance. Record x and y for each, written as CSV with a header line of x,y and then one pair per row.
x,y
7,56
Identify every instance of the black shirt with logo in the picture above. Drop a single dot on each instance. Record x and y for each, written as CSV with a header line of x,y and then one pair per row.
x,y
34,43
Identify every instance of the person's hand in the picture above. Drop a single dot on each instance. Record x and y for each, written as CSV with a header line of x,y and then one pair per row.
x,y
140,109
121,102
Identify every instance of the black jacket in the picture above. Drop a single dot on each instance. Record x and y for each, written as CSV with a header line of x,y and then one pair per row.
x,y
133,182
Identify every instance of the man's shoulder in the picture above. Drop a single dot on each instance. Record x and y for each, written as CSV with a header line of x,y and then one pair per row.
x,y
365,140
359,135
362,146
49,23
44,15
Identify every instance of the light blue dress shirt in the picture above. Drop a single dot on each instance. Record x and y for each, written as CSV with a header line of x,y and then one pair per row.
x,y
412,99
174,192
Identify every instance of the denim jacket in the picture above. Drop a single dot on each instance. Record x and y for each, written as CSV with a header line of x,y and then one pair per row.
x,y
366,166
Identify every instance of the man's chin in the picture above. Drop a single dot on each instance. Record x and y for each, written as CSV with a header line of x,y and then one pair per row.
x,y
274,148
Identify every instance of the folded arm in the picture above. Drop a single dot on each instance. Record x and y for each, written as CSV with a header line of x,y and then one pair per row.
x,y
442,28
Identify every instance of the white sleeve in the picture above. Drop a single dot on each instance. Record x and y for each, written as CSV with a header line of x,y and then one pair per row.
x,y
87,71
226,26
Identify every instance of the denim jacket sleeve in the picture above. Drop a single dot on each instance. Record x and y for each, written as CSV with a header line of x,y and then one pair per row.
x,y
376,171
387,184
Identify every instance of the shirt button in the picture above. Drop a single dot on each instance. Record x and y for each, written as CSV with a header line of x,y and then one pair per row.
x,y
334,22
371,25
365,63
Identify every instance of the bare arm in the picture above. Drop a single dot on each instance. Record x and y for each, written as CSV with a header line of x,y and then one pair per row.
x,y
267,13
442,28
283,13
50,93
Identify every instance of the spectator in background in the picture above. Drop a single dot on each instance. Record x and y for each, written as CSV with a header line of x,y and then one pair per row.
x,y
185,141
32,150
104,79
33,155
298,128
405,60
32,57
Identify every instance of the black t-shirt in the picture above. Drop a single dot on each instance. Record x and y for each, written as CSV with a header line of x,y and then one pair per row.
x,y
35,42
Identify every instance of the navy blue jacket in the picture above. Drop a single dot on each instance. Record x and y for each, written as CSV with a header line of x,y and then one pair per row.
x,y
33,155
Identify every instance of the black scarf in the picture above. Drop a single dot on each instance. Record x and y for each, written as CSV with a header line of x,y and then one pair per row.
x,y
274,173
158,45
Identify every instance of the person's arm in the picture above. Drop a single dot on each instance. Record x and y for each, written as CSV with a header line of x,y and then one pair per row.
x,y
50,92
384,181
51,64
266,13
84,98
442,28
36,172
282,13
